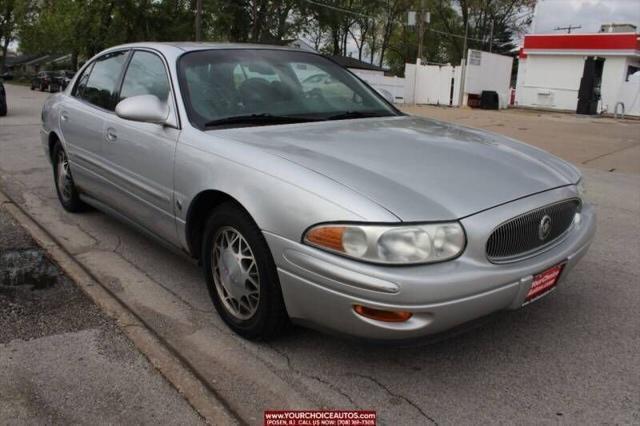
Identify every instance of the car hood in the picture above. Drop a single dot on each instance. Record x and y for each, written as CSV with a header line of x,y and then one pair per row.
x,y
419,169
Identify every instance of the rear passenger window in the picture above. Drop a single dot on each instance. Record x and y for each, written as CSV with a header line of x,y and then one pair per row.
x,y
100,89
145,75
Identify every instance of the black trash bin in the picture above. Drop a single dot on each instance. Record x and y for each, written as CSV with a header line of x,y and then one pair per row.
x,y
489,100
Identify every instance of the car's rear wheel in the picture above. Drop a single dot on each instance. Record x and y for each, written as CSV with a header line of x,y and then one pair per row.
x,y
241,275
65,187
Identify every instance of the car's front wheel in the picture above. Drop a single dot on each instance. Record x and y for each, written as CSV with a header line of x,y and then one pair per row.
x,y
65,187
241,275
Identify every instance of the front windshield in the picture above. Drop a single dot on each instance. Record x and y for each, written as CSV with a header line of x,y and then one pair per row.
x,y
231,83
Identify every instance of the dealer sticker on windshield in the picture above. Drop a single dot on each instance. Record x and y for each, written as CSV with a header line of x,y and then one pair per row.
x,y
543,283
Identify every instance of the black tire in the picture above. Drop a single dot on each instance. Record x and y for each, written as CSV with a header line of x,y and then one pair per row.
x,y
33,87
270,318
72,202
3,107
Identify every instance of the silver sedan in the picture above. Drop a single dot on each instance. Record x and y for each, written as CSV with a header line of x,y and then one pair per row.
x,y
319,204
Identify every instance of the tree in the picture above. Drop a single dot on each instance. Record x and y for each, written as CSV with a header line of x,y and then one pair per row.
x,y
507,18
8,13
403,43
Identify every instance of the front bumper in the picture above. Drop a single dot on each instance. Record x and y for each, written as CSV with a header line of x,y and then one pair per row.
x,y
320,289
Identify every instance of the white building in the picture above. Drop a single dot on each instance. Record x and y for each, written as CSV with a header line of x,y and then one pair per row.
x,y
584,73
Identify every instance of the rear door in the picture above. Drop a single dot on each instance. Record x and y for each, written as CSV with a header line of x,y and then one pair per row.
x,y
140,155
82,121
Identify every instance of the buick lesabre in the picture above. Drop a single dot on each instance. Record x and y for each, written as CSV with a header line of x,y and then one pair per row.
x,y
306,196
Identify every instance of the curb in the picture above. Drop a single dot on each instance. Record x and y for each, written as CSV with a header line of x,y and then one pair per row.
x,y
204,400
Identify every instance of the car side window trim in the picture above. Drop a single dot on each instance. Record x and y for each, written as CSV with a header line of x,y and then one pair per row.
x,y
172,92
84,71
118,80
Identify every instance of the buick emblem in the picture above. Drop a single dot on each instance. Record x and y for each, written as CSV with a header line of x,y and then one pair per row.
x,y
544,229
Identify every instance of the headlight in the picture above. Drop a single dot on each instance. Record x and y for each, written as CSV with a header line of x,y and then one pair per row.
x,y
389,244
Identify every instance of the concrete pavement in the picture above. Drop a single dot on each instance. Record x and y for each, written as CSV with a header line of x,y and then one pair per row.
x,y
595,142
571,357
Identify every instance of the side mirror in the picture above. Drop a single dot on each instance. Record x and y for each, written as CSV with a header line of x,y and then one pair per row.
x,y
145,108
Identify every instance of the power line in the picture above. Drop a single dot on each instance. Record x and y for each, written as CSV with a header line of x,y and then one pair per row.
x,y
454,35
339,9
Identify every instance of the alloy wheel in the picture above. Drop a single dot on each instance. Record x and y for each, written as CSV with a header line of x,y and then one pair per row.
x,y
64,180
235,273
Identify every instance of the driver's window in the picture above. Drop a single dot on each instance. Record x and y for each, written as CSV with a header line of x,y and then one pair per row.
x,y
146,75
317,83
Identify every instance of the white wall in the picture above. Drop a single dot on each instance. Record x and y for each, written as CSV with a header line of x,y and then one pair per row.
x,y
362,73
377,80
549,81
553,81
488,71
629,91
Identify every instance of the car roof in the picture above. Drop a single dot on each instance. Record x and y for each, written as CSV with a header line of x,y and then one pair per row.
x,y
177,48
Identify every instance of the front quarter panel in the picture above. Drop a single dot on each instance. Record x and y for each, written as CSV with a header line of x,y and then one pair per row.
x,y
283,198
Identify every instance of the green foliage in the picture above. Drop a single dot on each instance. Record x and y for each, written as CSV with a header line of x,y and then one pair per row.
x,y
372,30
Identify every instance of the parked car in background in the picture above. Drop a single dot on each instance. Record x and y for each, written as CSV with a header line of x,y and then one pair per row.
x,y
3,100
61,80
43,81
313,201
6,76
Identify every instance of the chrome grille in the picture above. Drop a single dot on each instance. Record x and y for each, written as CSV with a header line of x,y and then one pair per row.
x,y
520,236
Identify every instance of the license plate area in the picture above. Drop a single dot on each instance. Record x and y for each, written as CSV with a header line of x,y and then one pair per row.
x,y
543,283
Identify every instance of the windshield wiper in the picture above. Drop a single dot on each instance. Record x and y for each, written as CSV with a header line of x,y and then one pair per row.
x,y
259,119
357,114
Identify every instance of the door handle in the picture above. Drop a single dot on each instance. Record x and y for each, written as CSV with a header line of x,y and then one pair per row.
x,y
64,116
111,135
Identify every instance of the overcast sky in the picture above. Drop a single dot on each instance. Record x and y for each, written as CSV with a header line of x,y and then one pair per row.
x,y
587,13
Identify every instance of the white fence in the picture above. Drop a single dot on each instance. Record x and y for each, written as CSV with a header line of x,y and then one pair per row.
x,y
434,84
393,85
440,84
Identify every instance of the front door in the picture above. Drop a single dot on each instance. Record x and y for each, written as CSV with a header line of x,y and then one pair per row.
x,y
140,155
589,92
82,121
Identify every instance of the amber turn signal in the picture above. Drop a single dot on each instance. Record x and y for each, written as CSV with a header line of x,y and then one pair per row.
x,y
327,236
380,315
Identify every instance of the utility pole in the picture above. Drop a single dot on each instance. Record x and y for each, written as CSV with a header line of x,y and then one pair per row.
x,y
420,28
463,73
569,28
491,38
198,20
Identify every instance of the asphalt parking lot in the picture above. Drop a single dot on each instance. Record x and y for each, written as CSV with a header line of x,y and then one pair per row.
x,y
572,357
62,360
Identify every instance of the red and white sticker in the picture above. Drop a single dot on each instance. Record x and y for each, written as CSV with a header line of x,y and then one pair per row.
x,y
544,282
